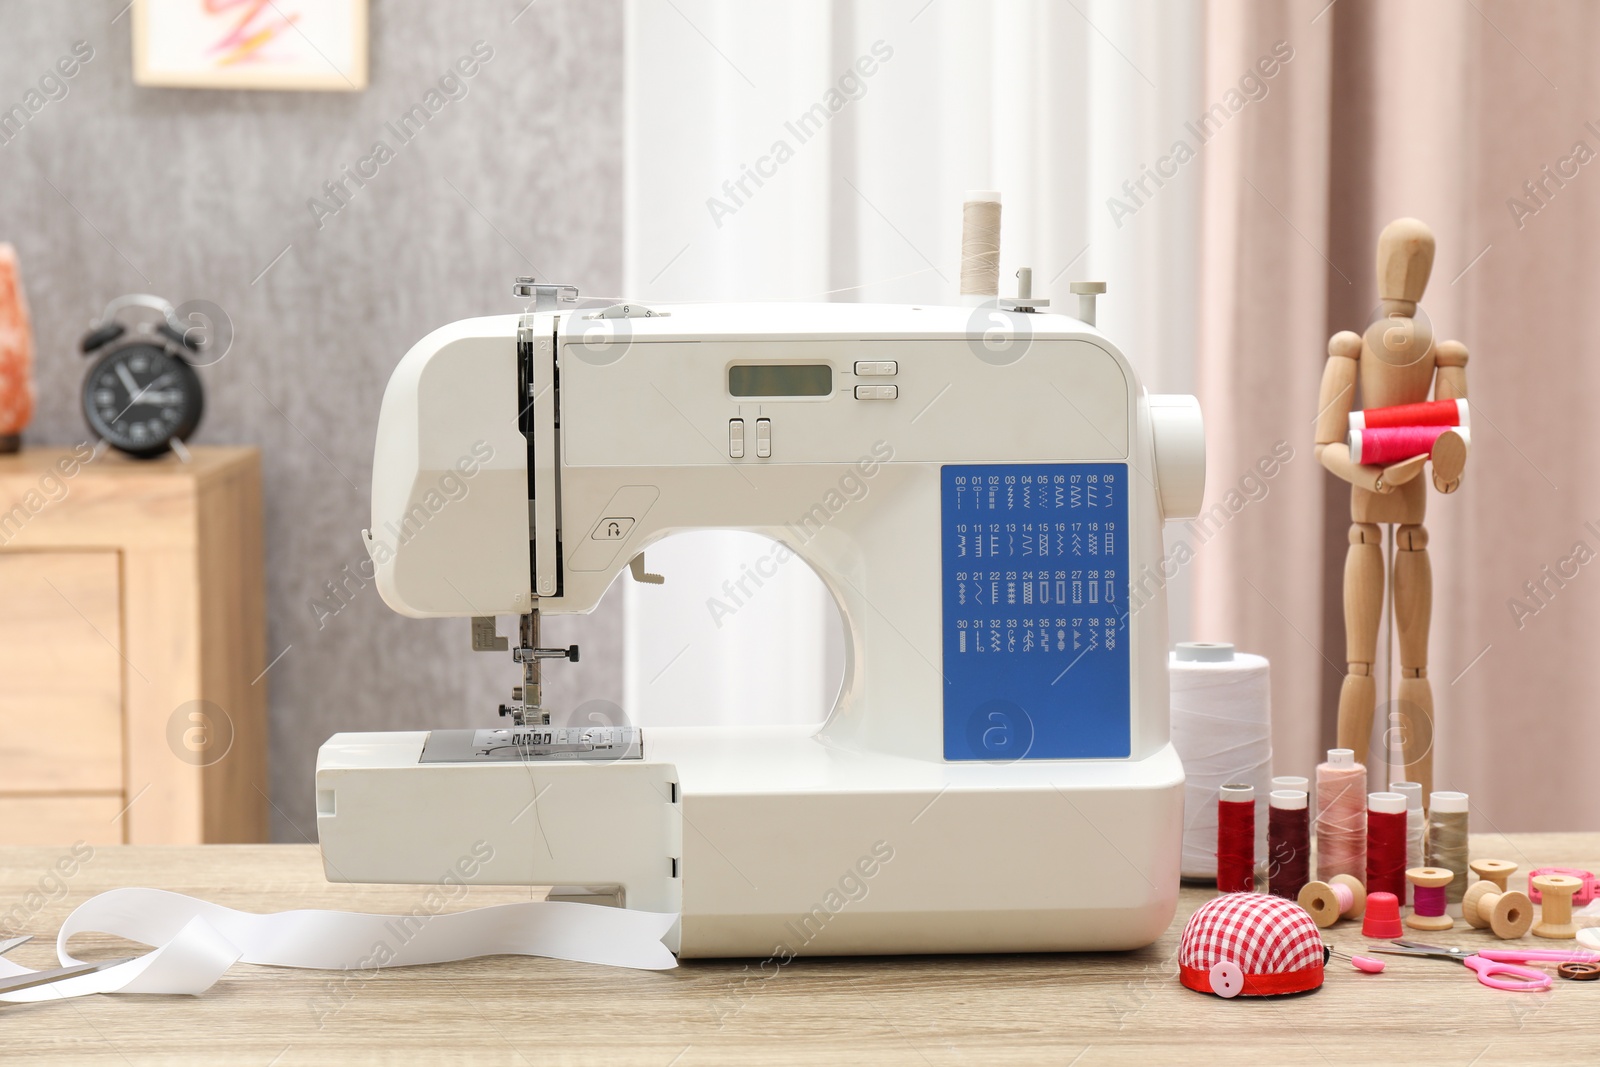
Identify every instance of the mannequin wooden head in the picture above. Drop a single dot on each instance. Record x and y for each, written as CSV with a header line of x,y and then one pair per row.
x,y
1405,259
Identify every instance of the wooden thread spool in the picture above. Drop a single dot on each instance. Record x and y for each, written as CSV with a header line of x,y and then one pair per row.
x,y
1340,897
1487,904
1429,878
1555,914
1497,871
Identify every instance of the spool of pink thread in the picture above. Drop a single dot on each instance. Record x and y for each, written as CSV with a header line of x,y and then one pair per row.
x,y
1391,444
1341,816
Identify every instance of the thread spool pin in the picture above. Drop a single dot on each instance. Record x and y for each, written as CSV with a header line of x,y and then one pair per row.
x,y
1487,903
1341,897
1555,916
1086,292
1429,878
1025,300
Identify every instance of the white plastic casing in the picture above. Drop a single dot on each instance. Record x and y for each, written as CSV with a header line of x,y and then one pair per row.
x,y
449,533
761,837
1180,443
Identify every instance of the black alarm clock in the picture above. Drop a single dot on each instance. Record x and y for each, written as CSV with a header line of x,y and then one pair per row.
x,y
142,393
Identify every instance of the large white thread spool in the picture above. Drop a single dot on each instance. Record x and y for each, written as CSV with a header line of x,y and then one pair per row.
x,y
1222,730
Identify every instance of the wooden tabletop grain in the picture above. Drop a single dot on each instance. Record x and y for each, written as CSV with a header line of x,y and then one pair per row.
x,y
921,1011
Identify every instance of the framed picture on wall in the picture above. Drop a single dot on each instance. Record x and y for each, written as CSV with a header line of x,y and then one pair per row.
x,y
250,44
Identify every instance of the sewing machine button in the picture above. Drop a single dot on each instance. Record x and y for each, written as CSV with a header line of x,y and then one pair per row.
x,y
763,438
877,392
736,438
867,367
611,528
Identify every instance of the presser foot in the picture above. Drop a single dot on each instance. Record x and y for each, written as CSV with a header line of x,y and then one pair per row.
x,y
522,715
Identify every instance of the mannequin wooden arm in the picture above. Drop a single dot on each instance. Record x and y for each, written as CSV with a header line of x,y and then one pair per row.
x,y
1333,421
1336,458
1449,383
1338,391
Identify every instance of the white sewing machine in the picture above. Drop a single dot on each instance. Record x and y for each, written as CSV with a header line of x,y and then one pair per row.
x,y
996,775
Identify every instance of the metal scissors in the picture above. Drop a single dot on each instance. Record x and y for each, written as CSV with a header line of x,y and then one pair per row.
x,y
1497,968
34,978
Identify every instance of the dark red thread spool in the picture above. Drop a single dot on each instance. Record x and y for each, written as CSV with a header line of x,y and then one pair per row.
x,y
1236,839
1386,844
1288,843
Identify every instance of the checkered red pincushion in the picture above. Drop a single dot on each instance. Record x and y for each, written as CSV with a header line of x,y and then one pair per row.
x,y
1273,941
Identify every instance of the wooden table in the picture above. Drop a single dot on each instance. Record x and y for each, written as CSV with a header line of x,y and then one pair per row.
x,y
1084,1010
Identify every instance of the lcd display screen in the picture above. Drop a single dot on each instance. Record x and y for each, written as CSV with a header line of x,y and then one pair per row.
x,y
779,379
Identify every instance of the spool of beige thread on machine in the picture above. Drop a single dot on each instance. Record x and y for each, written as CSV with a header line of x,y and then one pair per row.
x,y
980,243
1416,828
1341,816
1447,843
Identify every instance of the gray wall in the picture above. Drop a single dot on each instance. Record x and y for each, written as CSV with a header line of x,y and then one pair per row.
x,y
191,194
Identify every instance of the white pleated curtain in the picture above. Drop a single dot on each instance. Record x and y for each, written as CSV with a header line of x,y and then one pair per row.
x,y
820,151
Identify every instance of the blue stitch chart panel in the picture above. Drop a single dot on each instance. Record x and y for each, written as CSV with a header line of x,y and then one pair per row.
x,y
1035,584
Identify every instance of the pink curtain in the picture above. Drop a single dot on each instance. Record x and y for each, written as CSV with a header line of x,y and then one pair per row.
x,y
1444,111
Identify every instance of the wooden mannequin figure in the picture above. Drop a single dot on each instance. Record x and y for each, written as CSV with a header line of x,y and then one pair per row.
x,y
1396,361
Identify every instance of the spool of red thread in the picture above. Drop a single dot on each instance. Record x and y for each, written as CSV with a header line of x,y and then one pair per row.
x,y
1236,839
1288,843
1427,413
1386,843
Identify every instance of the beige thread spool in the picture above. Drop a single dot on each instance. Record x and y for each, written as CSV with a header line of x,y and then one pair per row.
x,y
980,243
1555,905
1447,841
1487,903
1321,900
1429,878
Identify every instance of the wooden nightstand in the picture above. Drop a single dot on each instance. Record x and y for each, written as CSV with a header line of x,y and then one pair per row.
x,y
132,647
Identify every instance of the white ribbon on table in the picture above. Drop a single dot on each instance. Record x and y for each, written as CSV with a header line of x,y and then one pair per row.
x,y
197,941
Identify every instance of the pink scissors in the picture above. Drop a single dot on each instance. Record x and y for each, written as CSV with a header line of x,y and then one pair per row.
x,y
1497,967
